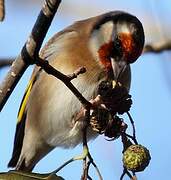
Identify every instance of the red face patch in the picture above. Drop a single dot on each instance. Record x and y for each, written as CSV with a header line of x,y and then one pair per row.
x,y
105,52
126,48
130,50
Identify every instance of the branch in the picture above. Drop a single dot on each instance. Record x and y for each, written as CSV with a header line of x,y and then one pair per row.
x,y
6,62
149,48
2,10
66,79
157,47
79,71
30,50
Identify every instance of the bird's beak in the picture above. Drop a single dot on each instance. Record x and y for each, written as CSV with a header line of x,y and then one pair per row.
x,y
118,67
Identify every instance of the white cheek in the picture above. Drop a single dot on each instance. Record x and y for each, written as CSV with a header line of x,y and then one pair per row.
x,y
99,37
95,42
107,31
123,28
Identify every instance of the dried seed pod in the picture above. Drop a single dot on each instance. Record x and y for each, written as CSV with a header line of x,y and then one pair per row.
x,y
116,99
99,120
115,127
136,158
102,122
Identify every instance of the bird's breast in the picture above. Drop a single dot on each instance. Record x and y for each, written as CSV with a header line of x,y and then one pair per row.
x,y
57,120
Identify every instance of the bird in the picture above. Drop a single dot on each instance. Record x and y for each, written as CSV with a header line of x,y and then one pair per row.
x,y
105,45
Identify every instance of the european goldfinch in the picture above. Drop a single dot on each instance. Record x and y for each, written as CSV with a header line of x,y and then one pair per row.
x,y
105,45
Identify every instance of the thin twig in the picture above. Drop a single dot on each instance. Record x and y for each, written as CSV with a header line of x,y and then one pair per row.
x,y
149,48
30,50
79,71
64,78
6,62
88,166
125,171
85,169
89,177
157,47
134,178
125,141
95,166
133,126
85,146
129,174
62,166
131,137
85,175
123,174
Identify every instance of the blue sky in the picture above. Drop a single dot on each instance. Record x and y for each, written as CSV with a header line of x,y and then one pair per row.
x,y
150,89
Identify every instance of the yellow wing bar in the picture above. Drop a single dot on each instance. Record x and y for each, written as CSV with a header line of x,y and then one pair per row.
x,y
24,101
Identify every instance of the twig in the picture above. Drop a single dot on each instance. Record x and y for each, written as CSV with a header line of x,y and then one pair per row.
x,y
30,50
85,146
125,141
85,149
95,166
125,171
86,164
65,79
89,178
122,175
62,166
129,174
79,71
85,169
133,126
157,47
134,178
2,10
91,161
149,48
5,62
131,137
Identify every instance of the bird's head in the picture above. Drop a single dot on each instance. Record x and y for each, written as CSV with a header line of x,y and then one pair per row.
x,y
117,40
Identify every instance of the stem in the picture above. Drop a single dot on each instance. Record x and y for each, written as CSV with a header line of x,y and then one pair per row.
x,y
29,51
85,146
6,62
123,174
64,78
95,166
133,126
62,166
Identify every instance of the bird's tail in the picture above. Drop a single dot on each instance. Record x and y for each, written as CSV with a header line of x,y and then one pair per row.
x,y
18,141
